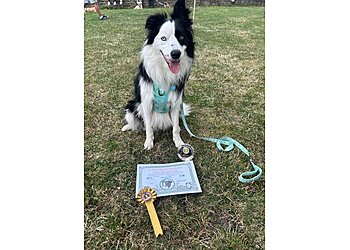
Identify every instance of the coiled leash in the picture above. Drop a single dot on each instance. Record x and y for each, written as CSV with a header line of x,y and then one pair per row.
x,y
230,143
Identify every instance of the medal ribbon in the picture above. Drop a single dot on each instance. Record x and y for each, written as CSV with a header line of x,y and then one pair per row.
x,y
147,196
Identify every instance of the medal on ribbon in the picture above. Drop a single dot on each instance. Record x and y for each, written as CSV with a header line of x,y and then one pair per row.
x,y
147,196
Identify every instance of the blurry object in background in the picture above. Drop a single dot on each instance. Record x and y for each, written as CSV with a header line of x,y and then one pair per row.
x,y
89,8
138,5
93,6
164,4
150,3
113,3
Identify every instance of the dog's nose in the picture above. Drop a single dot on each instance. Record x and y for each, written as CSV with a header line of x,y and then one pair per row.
x,y
175,54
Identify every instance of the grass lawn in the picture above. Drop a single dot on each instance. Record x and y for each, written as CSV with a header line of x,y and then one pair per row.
x,y
226,92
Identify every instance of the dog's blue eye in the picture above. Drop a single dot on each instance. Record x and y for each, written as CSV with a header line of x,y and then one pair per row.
x,y
163,38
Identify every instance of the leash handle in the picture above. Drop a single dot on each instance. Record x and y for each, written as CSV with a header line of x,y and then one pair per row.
x,y
246,177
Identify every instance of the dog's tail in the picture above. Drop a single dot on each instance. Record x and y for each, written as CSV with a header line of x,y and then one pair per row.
x,y
187,109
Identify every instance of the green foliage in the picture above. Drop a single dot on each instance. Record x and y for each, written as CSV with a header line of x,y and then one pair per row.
x,y
226,92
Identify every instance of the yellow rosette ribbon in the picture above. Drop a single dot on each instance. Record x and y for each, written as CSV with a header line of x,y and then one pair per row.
x,y
147,196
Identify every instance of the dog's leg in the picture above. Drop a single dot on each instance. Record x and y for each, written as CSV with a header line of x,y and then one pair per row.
x,y
147,110
175,115
147,116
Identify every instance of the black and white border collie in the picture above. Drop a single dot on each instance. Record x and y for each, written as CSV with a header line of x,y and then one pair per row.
x,y
166,59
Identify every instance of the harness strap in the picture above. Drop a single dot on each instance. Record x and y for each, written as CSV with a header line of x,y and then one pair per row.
x,y
230,144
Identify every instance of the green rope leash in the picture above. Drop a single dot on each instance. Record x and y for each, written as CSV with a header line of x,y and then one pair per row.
x,y
230,144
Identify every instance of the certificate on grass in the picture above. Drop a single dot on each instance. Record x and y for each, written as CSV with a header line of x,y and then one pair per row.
x,y
168,179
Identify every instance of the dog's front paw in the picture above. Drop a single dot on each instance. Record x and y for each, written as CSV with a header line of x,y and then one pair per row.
x,y
178,142
148,144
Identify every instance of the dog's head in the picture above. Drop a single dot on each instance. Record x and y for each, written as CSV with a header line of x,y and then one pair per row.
x,y
172,38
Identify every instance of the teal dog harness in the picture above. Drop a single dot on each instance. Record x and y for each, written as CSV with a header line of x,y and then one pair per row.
x,y
160,98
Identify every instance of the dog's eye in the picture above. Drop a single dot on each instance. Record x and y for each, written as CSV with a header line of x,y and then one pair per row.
x,y
163,38
181,37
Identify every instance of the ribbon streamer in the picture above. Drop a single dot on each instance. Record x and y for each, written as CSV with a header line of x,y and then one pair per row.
x,y
147,196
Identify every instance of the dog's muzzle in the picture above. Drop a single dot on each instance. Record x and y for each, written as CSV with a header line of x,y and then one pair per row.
x,y
174,63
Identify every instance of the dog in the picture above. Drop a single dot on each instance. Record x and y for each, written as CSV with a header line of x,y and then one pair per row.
x,y
164,4
138,5
166,60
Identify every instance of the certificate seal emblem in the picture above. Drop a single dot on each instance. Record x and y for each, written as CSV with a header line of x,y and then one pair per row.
x,y
167,184
186,152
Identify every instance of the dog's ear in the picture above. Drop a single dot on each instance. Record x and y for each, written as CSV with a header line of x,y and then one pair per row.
x,y
153,25
155,21
180,10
